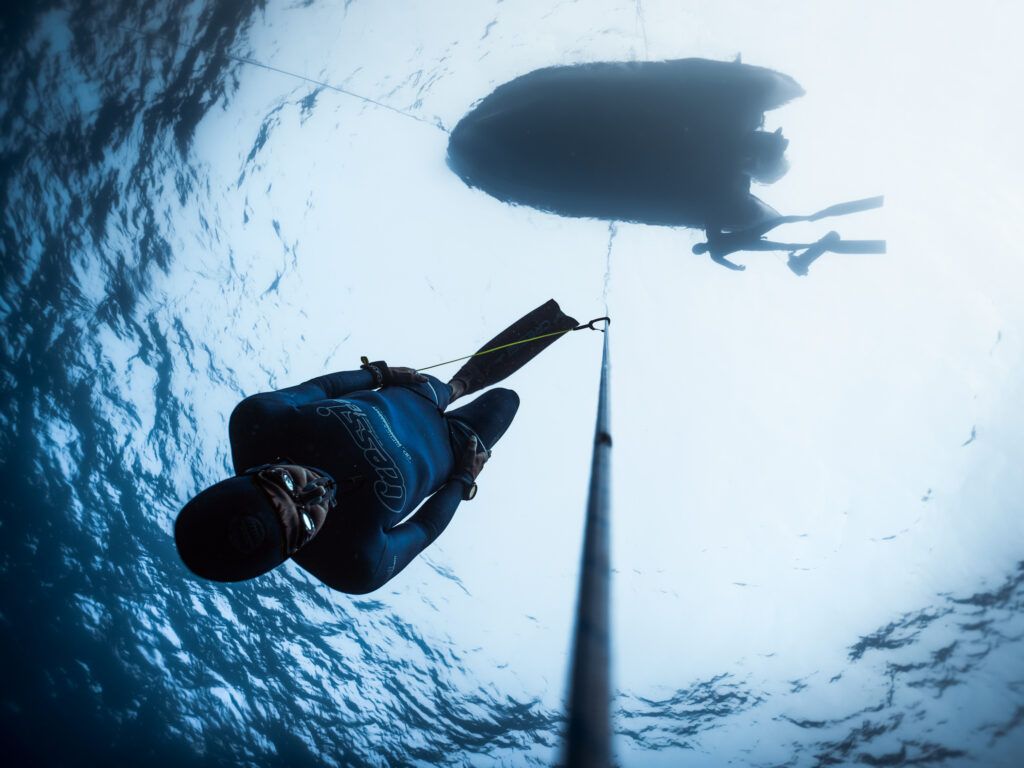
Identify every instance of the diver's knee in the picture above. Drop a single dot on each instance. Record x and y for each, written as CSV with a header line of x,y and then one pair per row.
x,y
508,396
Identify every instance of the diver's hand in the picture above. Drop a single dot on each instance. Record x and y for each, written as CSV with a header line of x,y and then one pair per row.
x,y
385,375
469,467
728,264
396,377
458,387
473,459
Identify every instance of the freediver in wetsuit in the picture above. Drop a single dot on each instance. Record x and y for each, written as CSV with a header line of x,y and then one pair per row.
x,y
756,155
328,470
721,243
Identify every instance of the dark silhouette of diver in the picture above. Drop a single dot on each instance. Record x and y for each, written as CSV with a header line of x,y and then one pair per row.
x,y
666,143
721,243
328,471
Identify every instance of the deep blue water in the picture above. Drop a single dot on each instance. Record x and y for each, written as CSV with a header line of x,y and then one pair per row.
x,y
115,386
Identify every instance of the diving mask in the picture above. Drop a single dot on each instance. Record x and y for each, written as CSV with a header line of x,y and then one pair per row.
x,y
301,496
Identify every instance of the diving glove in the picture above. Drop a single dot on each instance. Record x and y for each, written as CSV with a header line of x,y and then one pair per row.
x,y
385,376
469,467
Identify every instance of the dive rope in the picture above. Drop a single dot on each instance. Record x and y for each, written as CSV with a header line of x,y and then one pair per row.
x,y
244,60
589,325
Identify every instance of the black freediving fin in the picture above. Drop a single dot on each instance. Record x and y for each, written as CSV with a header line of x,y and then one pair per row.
x,y
489,368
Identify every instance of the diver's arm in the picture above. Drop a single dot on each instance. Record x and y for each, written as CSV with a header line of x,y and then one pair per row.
x,y
254,426
720,259
403,542
268,404
370,376
329,385
434,514
332,385
718,246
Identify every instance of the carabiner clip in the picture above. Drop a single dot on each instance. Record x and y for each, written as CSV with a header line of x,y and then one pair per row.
x,y
590,325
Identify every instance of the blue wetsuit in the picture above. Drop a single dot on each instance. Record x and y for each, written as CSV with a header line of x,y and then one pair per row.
x,y
388,449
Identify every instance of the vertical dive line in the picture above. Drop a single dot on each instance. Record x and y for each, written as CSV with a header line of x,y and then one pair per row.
x,y
642,23
588,737
613,230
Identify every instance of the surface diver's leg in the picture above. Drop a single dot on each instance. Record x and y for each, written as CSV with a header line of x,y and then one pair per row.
x,y
758,231
839,209
845,209
771,245
800,263
858,246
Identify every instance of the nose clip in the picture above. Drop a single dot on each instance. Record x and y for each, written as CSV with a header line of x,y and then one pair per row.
x,y
312,490
320,489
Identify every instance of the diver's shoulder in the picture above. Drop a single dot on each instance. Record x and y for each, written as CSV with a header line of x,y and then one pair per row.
x,y
252,408
258,411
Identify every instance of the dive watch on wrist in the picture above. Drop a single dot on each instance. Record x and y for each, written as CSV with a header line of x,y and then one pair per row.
x,y
468,485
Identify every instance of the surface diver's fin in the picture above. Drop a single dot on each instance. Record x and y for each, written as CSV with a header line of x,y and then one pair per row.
x,y
845,209
770,219
831,243
857,246
483,370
